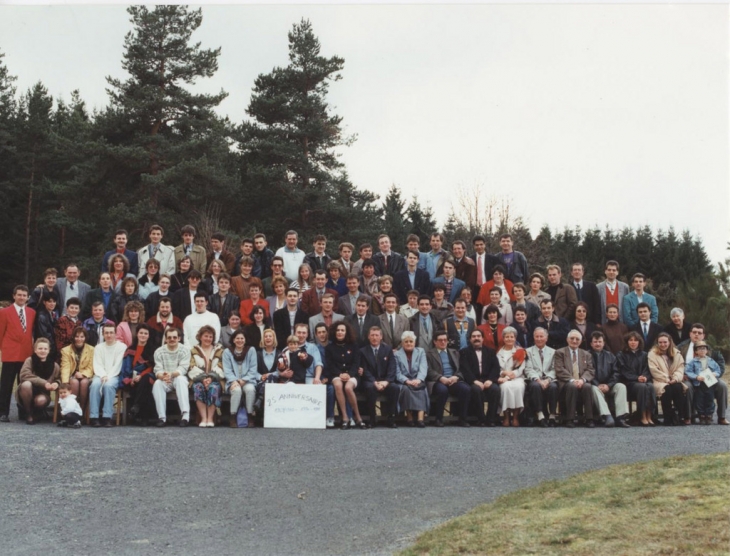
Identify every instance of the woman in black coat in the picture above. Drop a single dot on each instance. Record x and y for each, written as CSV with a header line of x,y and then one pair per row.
x,y
45,321
342,360
633,369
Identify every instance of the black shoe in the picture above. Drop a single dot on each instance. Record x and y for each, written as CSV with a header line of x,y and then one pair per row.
x,y
570,424
134,410
345,425
4,419
544,423
106,423
491,424
530,422
62,423
552,423
411,423
482,424
463,423
183,423
362,425
95,423
623,424
421,425
438,423
161,423
391,423
590,424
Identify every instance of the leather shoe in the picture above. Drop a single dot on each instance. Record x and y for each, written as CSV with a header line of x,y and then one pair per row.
x,y
184,423
570,424
160,423
609,422
438,423
391,423
590,424
544,423
623,424
4,419
722,421
464,423
106,423
95,423
530,422
421,425
552,423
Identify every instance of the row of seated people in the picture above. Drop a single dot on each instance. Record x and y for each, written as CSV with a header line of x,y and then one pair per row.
x,y
412,379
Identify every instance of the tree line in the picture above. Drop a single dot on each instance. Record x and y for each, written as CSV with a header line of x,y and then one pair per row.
x,y
159,153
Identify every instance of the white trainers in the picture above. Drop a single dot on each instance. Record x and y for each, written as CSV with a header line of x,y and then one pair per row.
x,y
330,422
352,422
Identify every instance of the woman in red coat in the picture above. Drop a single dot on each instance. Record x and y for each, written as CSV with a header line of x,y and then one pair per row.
x,y
491,329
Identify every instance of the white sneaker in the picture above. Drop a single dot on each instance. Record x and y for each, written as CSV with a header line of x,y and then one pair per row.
x,y
330,422
211,424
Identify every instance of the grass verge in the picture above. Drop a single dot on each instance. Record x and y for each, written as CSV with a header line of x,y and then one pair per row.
x,y
678,505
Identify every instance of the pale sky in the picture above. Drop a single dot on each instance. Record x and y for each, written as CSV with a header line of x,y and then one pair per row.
x,y
582,114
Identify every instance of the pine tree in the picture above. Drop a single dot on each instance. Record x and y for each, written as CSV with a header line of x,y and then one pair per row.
x,y
292,177
394,217
422,221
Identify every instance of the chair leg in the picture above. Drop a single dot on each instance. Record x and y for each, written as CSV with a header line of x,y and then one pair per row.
x,y
119,405
55,409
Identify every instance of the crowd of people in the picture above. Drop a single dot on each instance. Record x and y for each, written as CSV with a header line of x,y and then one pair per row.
x,y
413,332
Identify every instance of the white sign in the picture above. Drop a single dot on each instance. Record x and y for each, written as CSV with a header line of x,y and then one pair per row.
x,y
295,406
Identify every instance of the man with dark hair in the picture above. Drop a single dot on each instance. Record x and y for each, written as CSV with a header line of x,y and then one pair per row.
x,y
240,284
631,302
362,320
120,240
480,367
436,256
513,261
318,259
327,315
464,267
95,323
156,250
378,372
286,318
386,260
686,348
218,251
459,327
197,254
311,298
292,256
247,252
424,324
262,254
648,329
345,250
562,294
225,301
452,285
70,286
183,301
16,344
413,243
198,319
484,269
162,319
606,383
587,292
366,253
392,324
611,290
346,303
440,306
411,278
152,303
445,377
557,328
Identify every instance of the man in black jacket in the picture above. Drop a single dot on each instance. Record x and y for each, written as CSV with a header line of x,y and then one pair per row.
x,y
445,378
557,328
587,292
225,301
286,318
480,367
377,373
363,320
606,383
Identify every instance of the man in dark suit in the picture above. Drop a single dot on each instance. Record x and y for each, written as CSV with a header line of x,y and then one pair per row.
x,y
286,318
423,324
16,344
183,301
649,330
587,292
411,278
484,264
362,320
480,367
225,301
574,371
377,372
459,327
120,240
387,261
70,286
311,298
444,378
152,303
557,328
218,251
318,259
392,324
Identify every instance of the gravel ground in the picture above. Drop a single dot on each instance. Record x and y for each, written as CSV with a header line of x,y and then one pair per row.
x,y
222,491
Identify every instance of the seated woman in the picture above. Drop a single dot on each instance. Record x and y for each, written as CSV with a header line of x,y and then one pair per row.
x,y
491,329
633,370
119,270
240,369
411,370
335,280
38,378
679,328
268,355
137,374
258,322
582,325
45,321
255,289
179,280
132,317
210,284
342,360
536,294
704,399
104,293
149,282
206,374
614,330
666,366
304,279
511,378
77,365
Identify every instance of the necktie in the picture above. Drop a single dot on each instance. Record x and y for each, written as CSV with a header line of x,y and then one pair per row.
x,y
385,258
646,331
360,319
578,291
71,286
480,270
425,325
319,296
375,353
542,358
576,370
21,316
392,329
153,251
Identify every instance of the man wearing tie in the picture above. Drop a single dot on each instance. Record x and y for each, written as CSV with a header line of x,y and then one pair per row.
x,y
574,371
459,327
286,318
444,378
424,324
70,286
16,344
312,298
346,304
542,384
362,320
649,330
587,292
391,323
156,250
318,259
480,368
378,372
485,263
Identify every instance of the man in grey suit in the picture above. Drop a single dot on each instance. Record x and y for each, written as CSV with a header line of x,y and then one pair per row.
x,y
611,290
424,324
392,324
70,286
363,320
327,315
346,303
542,384
574,371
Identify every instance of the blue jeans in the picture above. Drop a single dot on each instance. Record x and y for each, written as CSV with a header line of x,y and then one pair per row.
x,y
96,392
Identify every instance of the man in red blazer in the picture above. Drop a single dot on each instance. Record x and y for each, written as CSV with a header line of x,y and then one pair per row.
x,y
311,297
16,344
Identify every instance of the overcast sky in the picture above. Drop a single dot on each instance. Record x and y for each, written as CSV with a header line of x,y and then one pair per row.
x,y
582,114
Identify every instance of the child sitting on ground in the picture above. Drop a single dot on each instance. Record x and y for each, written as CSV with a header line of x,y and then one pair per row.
x,y
71,411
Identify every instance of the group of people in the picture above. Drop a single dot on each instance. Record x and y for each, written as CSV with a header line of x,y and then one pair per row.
x,y
412,332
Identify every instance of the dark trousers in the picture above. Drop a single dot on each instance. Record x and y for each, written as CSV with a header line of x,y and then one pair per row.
x,y
569,396
673,402
392,392
72,418
7,380
704,399
479,396
542,400
142,397
440,393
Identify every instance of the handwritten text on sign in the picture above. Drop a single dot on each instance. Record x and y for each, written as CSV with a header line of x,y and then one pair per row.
x,y
295,406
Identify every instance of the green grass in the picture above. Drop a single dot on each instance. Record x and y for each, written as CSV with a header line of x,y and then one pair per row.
x,y
678,505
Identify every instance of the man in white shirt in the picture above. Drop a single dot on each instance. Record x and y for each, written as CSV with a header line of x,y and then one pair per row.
x,y
108,358
171,366
199,318
542,384
293,256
